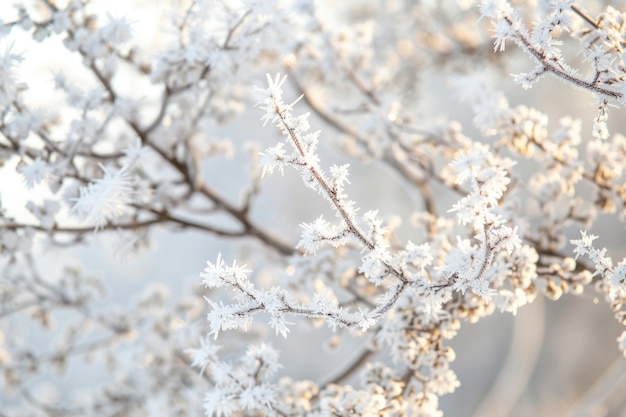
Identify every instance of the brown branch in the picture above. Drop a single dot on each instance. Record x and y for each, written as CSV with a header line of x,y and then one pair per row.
x,y
585,16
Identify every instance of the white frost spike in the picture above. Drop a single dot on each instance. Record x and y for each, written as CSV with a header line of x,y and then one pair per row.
x,y
105,198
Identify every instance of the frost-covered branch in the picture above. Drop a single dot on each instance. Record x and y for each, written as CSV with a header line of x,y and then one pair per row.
x,y
138,133
602,49
541,45
488,180
613,278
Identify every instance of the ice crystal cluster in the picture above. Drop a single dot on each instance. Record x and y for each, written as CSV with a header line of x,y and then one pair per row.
x,y
118,130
